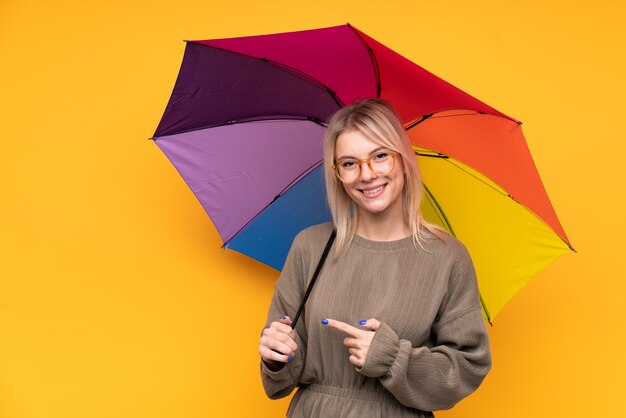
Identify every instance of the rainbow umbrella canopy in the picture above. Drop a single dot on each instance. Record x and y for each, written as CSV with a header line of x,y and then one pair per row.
x,y
245,126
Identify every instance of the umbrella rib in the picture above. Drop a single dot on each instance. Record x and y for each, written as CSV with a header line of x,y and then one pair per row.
x,y
484,305
513,199
372,58
260,118
505,193
435,115
297,179
417,122
281,193
440,211
449,160
305,76
444,218
284,67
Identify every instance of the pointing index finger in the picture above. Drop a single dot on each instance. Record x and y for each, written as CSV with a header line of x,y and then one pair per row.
x,y
342,326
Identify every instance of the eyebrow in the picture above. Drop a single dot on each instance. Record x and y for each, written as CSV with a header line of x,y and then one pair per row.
x,y
375,150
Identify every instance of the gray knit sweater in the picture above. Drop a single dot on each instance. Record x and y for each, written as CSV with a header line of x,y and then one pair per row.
x,y
431,350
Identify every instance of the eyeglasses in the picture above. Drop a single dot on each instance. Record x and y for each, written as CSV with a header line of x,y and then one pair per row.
x,y
348,170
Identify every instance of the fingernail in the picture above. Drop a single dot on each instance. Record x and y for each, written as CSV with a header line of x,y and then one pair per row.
x,y
324,321
283,317
289,358
363,321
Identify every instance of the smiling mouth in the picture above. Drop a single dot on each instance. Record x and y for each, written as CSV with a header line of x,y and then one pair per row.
x,y
373,191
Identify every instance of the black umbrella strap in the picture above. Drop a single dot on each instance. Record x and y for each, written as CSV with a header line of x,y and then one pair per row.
x,y
329,244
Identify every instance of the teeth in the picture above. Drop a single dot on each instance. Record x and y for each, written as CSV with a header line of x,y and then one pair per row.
x,y
373,190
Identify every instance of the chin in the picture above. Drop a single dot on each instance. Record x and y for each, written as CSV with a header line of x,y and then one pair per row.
x,y
373,209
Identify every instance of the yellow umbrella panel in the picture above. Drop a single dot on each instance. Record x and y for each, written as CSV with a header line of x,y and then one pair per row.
x,y
508,241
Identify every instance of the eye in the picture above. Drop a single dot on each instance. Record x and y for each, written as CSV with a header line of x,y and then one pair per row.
x,y
347,164
380,156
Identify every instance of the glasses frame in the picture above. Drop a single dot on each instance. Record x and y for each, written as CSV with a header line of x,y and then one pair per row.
x,y
367,160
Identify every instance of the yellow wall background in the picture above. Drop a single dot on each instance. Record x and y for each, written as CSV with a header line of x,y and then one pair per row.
x,y
115,298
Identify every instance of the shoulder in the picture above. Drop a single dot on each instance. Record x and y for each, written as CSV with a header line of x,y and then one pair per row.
x,y
457,262
457,279
306,248
314,236
445,246
310,242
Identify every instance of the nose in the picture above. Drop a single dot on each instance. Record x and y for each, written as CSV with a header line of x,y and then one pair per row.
x,y
366,172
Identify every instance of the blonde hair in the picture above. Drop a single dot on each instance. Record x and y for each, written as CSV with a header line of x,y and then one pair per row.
x,y
378,121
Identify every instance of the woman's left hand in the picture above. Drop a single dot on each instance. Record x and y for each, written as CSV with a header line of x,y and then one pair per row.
x,y
358,341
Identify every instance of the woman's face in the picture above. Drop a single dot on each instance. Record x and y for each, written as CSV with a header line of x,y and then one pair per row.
x,y
373,194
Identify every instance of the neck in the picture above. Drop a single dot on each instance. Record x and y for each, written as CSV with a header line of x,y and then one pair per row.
x,y
382,227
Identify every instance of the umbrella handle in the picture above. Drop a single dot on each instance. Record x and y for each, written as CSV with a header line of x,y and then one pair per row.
x,y
320,264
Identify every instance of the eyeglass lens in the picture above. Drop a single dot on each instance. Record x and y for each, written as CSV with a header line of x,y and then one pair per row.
x,y
350,169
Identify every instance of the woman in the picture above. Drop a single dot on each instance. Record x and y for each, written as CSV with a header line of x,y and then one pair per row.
x,y
393,326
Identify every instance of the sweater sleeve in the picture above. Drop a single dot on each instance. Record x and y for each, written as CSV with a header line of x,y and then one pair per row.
x,y
434,378
288,293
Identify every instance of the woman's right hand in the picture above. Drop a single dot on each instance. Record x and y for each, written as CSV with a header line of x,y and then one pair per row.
x,y
278,342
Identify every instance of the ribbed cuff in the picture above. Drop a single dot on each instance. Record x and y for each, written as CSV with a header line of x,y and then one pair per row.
x,y
382,352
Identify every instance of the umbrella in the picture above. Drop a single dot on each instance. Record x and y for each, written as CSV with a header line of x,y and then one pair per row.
x,y
245,124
